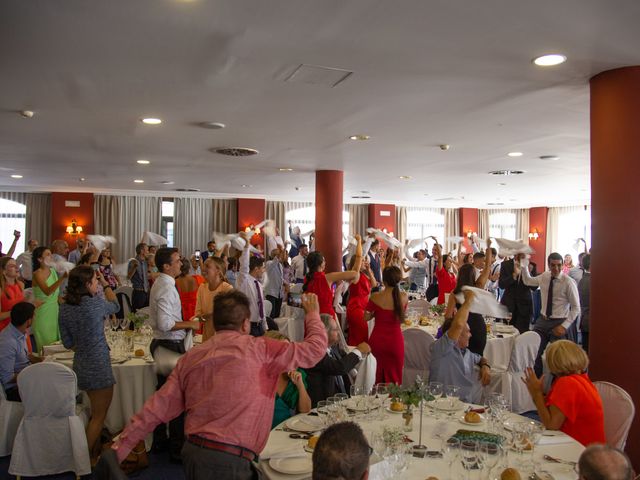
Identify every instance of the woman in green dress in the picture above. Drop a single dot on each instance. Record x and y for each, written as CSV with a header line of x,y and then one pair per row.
x,y
291,393
46,289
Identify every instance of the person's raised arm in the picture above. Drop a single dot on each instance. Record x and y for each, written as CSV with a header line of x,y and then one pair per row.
x,y
461,316
40,280
551,416
304,400
373,283
357,264
12,248
349,276
244,257
481,282
526,276
438,248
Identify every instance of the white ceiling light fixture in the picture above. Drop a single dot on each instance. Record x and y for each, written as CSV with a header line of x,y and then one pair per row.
x,y
549,157
81,179
550,60
167,182
359,137
27,113
515,154
283,169
404,177
143,162
151,121
16,176
212,125
506,172
137,180
246,185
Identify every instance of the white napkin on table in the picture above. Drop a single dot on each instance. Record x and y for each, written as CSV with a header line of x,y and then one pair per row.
x,y
554,439
293,451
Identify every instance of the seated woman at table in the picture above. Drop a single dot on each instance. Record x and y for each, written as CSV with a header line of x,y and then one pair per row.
x,y
319,282
11,289
573,405
467,277
291,392
386,341
82,329
215,284
444,274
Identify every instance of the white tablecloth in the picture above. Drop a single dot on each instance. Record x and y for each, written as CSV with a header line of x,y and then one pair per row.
x,y
421,468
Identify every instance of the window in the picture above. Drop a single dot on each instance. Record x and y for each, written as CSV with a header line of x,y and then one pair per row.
x,y
423,222
305,218
573,223
167,221
502,225
14,217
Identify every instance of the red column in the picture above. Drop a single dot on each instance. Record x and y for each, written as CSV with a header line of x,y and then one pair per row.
x,y
328,235
615,170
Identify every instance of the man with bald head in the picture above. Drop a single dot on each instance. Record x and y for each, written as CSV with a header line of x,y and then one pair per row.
x,y
602,462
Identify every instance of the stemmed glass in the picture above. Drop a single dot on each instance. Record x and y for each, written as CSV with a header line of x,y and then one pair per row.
x,y
452,393
357,394
436,391
115,322
469,453
522,441
124,323
490,454
323,412
381,394
450,452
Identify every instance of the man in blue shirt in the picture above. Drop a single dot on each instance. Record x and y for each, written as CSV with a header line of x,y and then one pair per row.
x,y
452,363
14,353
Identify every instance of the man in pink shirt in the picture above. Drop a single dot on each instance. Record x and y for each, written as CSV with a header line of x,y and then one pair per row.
x,y
226,387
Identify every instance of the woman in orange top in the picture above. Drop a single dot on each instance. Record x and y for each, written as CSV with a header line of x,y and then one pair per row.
x,y
187,286
573,405
216,283
11,289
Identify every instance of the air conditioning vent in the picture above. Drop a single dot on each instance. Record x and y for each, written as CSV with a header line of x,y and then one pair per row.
x,y
235,151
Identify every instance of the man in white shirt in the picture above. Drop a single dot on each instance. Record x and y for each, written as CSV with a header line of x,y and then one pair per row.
x,y
249,282
560,302
419,274
275,287
169,331
299,264
25,263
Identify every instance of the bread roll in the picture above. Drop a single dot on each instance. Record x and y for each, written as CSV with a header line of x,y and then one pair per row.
x,y
311,443
510,474
472,417
139,353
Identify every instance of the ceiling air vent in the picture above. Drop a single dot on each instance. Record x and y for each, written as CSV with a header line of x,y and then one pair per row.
x,y
318,75
187,189
235,151
360,196
506,172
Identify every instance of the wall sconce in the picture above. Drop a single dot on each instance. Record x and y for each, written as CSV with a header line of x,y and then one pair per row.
x,y
471,233
74,228
250,228
534,234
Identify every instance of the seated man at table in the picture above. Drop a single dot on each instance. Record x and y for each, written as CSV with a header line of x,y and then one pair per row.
x,y
602,462
329,375
342,452
452,363
14,352
226,386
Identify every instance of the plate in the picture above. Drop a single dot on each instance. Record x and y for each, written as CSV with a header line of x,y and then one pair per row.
x,y
304,424
352,404
444,406
64,356
394,411
503,328
119,359
471,424
292,466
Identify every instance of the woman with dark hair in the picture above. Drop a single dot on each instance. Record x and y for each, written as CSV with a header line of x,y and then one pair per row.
x,y
187,286
82,329
11,289
467,277
320,283
386,342
358,297
444,274
46,288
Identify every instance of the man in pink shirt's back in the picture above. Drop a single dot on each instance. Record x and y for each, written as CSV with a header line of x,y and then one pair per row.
x,y
226,387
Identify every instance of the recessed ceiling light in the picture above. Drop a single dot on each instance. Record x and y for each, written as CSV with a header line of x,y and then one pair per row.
x,y
244,185
138,181
506,172
151,121
212,125
16,176
514,154
359,137
27,113
404,177
167,182
286,169
143,162
298,189
187,189
366,192
549,157
360,196
549,60
502,184
234,151
495,203
82,179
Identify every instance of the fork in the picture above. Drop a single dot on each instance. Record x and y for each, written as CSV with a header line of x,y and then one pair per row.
x,y
549,458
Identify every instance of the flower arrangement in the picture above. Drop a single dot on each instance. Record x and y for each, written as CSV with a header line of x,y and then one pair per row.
x,y
137,319
438,310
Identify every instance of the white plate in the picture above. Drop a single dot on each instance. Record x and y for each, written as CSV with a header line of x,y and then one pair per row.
x,y
64,356
444,406
292,466
352,404
477,424
394,411
120,359
304,425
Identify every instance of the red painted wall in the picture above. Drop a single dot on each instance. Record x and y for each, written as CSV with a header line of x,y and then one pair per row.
x,y
376,220
538,220
468,221
61,216
251,211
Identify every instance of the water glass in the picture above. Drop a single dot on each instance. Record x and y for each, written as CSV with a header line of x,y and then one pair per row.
x,y
452,393
450,452
522,441
323,412
490,455
436,389
469,455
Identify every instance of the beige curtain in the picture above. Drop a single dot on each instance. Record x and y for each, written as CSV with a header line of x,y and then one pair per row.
x,y
358,219
225,215
484,229
276,211
192,223
401,224
38,225
522,224
451,227
126,218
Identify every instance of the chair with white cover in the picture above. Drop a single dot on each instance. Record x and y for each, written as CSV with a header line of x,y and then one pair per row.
x,y
10,416
618,413
124,294
509,382
419,305
51,438
417,355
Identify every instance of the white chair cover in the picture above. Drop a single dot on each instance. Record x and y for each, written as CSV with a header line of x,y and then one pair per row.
x,y
366,372
50,438
10,417
420,305
509,382
618,413
417,355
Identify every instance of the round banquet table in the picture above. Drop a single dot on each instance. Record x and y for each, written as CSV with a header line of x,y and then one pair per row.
x,y
558,445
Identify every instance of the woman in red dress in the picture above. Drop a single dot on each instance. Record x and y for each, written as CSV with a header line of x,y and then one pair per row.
x,y
446,278
11,289
386,341
358,298
319,282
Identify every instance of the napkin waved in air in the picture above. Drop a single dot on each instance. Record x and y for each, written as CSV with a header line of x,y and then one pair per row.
x,y
484,303
153,239
507,248
385,237
101,241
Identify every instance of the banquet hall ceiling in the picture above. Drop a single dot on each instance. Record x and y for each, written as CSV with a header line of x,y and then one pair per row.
x,y
425,73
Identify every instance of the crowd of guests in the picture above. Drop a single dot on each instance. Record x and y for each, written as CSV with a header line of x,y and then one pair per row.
x,y
223,293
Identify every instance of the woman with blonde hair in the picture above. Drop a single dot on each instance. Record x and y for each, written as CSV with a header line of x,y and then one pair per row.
x,y
573,405
215,284
11,289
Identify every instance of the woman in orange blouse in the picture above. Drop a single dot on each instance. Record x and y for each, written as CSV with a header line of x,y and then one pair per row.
x,y
187,286
11,289
216,283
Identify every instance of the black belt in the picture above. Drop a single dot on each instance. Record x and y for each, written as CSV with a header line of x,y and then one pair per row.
x,y
223,447
166,340
544,317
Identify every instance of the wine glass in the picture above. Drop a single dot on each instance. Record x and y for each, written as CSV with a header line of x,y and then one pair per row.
x,y
124,323
452,393
436,390
450,452
323,412
115,322
377,443
469,455
357,394
490,454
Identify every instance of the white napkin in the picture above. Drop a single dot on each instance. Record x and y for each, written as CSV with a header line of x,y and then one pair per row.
x,y
385,237
188,340
294,451
454,239
484,303
554,439
153,239
101,241
510,247
61,266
